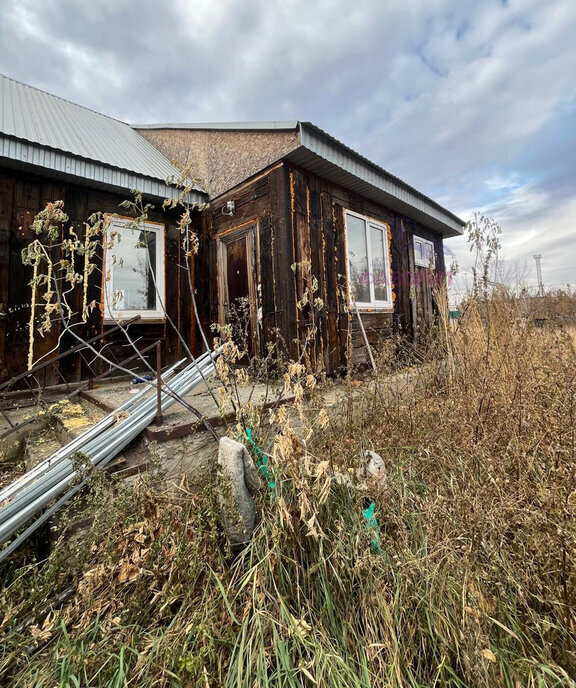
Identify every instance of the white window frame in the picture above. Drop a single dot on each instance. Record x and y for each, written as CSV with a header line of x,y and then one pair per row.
x,y
421,261
373,303
112,314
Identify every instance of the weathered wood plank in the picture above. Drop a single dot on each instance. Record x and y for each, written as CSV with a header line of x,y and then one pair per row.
x,y
331,276
26,205
283,258
340,259
173,296
266,279
6,201
30,194
303,275
318,261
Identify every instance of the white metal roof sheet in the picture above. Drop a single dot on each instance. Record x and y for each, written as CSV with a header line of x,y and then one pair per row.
x,y
36,117
343,165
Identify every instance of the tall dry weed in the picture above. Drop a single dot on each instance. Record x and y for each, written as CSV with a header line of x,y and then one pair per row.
x,y
473,584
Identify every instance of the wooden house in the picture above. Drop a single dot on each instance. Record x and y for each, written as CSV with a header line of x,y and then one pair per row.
x,y
51,149
290,206
314,238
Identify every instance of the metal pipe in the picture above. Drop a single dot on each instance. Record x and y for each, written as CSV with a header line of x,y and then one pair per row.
x,y
67,450
128,428
159,420
102,443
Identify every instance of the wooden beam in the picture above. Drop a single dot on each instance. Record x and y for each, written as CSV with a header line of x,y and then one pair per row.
x,y
172,432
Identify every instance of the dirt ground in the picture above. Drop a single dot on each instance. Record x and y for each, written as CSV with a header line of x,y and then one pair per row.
x,y
192,457
44,429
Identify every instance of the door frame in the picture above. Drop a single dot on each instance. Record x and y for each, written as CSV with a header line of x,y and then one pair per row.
x,y
248,233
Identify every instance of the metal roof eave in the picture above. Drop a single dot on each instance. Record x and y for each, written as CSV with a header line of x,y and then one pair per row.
x,y
329,157
29,114
326,156
24,154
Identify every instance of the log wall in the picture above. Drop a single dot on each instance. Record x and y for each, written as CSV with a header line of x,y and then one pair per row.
x,y
22,196
299,219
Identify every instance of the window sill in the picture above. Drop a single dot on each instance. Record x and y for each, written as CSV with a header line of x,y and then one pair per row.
x,y
143,320
370,309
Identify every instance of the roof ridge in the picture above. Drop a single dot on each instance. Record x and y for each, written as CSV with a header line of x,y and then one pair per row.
x,y
274,124
65,100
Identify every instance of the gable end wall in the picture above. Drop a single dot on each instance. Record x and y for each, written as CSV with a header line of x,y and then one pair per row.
x,y
222,159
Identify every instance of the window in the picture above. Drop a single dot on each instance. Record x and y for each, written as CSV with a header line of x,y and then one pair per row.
x,y
134,268
424,252
368,261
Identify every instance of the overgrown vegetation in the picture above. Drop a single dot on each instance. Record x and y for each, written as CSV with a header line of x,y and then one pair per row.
x,y
473,586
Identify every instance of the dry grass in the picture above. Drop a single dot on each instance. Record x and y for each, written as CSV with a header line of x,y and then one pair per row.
x,y
474,585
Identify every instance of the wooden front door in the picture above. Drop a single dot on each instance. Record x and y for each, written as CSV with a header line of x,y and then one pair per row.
x,y
424,278
237,287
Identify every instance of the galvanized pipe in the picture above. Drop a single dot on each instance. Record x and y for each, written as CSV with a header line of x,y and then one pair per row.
x,y
69,449
41,492
101,443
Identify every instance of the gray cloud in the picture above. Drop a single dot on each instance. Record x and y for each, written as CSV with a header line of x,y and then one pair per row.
x,y
471,102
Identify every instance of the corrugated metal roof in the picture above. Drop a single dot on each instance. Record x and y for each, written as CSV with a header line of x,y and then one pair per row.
x,y
333,159
22,155
327,156
60,135
397,199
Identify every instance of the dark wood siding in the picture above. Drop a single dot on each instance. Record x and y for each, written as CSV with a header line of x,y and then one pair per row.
x,y
22,196
264,203
424,281
340,335
301,219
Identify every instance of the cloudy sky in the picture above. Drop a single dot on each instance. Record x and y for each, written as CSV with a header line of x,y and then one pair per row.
x,y
473,102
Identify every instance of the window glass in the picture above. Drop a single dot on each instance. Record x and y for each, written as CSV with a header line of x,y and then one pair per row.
x,y
358,259
369,275
418,250
423,252
379,272
134,264
133,272
427,253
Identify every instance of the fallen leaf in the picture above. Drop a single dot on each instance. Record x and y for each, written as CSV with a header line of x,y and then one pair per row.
x,y
40,634
128,572
489,655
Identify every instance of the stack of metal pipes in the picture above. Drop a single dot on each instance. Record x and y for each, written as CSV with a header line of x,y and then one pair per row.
x,y
59,477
